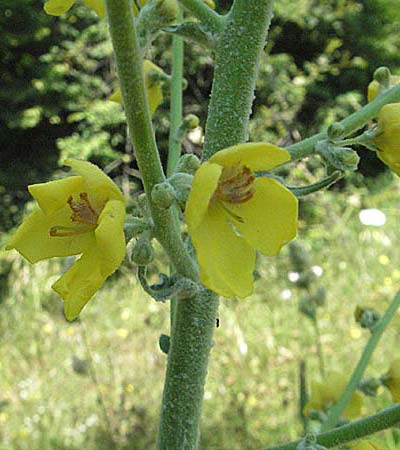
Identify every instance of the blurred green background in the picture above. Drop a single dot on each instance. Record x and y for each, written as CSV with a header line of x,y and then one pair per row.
x,y
96,384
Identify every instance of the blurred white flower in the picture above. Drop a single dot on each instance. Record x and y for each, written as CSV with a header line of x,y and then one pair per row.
x,y
317,270
286,294
293,276
372,216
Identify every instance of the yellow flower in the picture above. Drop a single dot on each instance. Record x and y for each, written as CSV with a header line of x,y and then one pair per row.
x,y
393,380
374,87
230,213
153,87
324,394
59,7
368,445
388,139
81,214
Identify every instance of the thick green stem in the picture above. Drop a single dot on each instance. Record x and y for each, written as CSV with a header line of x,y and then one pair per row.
x,y
351,123
241,44
191,342
358,373
385,419
237,59
130,72
209,19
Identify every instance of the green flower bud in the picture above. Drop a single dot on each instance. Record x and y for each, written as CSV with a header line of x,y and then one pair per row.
x,y
158,13
342,158
140,252
188,163
382,76
182,183
163,195
366,317
335,131
319,297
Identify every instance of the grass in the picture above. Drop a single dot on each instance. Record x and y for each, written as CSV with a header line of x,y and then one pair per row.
x,y
96,384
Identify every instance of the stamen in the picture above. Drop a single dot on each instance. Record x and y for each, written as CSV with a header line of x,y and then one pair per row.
x,y
235,185
67,231
82,213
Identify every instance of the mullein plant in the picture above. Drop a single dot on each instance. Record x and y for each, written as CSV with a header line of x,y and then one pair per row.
x,y
212,216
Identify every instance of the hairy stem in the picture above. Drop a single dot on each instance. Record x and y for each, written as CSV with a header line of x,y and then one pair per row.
x,y
358,372
194,319
351,123
130,72
237,59
385,419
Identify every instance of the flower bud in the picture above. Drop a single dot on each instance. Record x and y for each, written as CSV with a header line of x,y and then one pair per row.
x,y
156,14
163,195
141,252
182,183
342,158
188,163
366,317
382,80
210,3
335,131
388,136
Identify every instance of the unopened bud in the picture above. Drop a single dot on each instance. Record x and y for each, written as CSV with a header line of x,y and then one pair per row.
x,y
141,252
366,317
342,158
158,13
163,195
335,131
182,183
190,122
382,76
319,297
188,163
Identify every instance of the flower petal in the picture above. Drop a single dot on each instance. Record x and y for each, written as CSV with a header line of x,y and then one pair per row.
x,y
58,7
32,239
255,155
98,5
80,282
226,261
269,217
78,285
110,238
95,180
54,195
204,184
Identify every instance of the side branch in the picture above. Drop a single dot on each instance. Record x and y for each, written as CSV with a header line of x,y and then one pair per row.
x,y
351,123
385,419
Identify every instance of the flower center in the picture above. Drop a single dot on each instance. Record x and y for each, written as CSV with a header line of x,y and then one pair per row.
x,y
82,213
235,185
